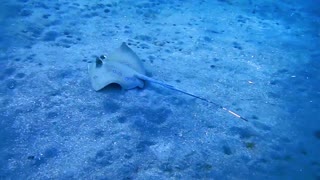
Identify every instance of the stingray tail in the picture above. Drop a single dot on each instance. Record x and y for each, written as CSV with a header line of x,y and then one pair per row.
x,y
184,92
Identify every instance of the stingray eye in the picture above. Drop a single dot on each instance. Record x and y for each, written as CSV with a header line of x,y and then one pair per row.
x,y
98,62
103,57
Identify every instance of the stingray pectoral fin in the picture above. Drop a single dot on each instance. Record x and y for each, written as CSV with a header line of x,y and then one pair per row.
x,y
126,56
100,76
99,83
93,77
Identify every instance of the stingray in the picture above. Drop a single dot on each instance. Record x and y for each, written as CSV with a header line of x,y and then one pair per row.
x,y
123,67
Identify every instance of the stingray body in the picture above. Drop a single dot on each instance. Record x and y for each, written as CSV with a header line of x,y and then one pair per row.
x,y
124,67
121,67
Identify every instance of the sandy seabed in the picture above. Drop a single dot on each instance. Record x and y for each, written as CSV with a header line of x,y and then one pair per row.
x,y
258,58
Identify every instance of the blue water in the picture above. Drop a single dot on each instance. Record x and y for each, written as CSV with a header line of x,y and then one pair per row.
x,y
260,59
